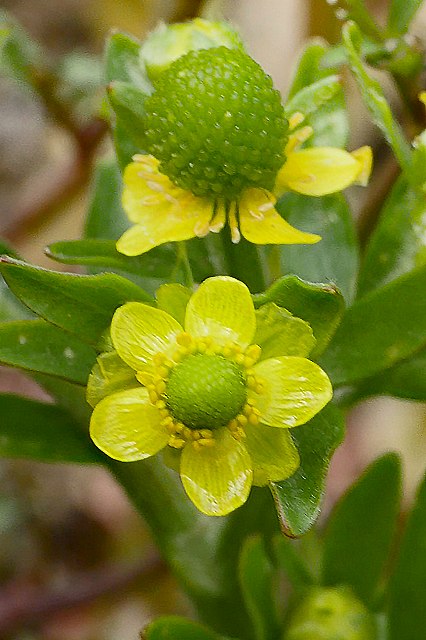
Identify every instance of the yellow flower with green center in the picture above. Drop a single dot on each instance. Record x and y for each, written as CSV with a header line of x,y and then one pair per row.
x,y
221,390
218,150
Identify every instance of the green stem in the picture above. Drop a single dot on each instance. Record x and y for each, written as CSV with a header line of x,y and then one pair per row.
x,y
244,262
186,265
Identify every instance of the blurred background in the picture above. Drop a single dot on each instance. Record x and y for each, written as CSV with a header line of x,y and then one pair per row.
x,y
76,562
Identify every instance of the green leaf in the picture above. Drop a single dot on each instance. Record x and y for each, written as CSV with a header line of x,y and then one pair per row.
x,y
298,498
313,96
407,611
83,305
106,219
290,561
405,380
397,244
257,578
157,263
335,258
401,13
10,307
358,12
173,298
128,104
374,98
386,326
19,55
361,528
329,120
122,62
44,432
125,148
320,305
35,345
175,628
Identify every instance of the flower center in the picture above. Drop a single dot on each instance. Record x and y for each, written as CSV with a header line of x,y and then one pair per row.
x,y
206,391
216,124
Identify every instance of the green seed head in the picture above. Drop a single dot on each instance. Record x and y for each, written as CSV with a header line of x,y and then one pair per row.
x,y
206,391
216,124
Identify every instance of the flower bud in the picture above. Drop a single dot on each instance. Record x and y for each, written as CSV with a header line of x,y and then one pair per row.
x,y
167,43
331,613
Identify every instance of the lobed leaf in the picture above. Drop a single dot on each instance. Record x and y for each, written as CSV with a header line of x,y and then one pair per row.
x,y
298,498
361,528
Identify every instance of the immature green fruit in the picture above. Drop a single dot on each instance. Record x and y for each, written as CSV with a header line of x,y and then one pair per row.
x,y
205,391
216,124
331,614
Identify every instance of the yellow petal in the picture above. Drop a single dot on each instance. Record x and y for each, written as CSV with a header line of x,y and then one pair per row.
x,y
217,479
221,308
127,427
260,223
319,171
144,188
162,212
294,390
364,155
138,332
273,453
186,219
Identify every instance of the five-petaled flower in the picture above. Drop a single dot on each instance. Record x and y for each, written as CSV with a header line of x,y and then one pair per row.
x,y
218,150
221,390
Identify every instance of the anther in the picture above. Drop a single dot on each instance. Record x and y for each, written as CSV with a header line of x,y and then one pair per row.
x,y
184,339
295,119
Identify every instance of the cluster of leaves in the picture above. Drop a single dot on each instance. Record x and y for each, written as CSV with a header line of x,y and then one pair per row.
x,y
367,315
351,583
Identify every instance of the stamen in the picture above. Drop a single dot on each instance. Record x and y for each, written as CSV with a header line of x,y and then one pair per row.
x,y
155,186
298,138
184,339
295,119
201,229
233,224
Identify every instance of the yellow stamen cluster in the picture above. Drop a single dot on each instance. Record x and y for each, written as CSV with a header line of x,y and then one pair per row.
x,y
300,136
156,385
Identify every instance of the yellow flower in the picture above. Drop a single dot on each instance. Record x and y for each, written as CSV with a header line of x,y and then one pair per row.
x,y
163,212
221,390
218,151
